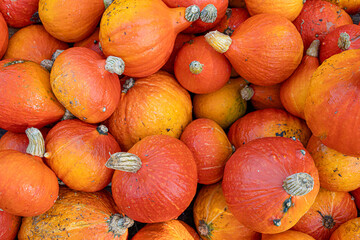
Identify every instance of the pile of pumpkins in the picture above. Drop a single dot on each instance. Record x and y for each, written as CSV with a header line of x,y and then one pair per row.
x,y
122,115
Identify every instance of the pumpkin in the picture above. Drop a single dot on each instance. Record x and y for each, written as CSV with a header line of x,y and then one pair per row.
x,y
9,225
349,6
142,33
327,213
294,90
237,3
317,18
270,183
332,106
269,122
210,146
153,105
213,219
4,33
232,19
265,49
287,235
33,43
77,153
91,42
347,230
266,96
356,196
289,9
70,21
19,13
26,98
337,171
199,68
28,186
225,105
86,84
155,181
78,215
173,229
340,39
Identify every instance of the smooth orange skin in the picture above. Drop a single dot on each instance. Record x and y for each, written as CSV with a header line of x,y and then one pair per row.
x,y
33,43
210,207
338,205
266,49
154,105
337,171
4,36
82,85
26,98
332,108
165,184
173,229
348,230
75,215
266,96
215,72
287,235
269,122
142,33
9,225
349,6
91,42
210,146
232,19
19,13
28,186
257,171
68,20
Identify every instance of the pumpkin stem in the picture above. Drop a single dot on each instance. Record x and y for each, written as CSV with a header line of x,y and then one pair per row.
x,y
208,14
47,64
67,115
129,83
107,3
203,228
56,54
196,67
298,184
102,129
192,13
344,41
327,221
118,224
124,161
36,145
114,65
313,50
219,41
247,92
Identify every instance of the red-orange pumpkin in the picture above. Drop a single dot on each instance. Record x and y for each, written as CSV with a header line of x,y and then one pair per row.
x,y
265,49
349,6
155,180
199,68
4,36
356,195
19,13
9,225
270,183
232,19
266,96
287,235
91,42
348,230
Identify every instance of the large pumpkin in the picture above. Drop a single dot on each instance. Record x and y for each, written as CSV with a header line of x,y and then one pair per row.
x,y
270,183
4,36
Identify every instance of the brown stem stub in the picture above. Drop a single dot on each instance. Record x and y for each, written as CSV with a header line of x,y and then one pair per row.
x,y
102,129
344,41
203,228
192,13
118,224
247,93
208,14
327,221
129,83
196,67
298,184
313,50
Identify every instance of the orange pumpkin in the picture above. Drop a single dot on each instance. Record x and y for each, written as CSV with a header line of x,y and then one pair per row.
x,y
199,68
232,19
173,229
148,106
348,230
287,235
270,183
78,215
213,219
142,33
4,36
266,96
294,90
33,43
86,84
19,13
9,225
332,107
70,21
91,42
349,6
328,212
265,49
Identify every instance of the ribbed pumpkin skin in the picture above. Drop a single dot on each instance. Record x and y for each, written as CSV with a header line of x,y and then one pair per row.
x,y
4,36
26,98
19,13
75,215
165,184
78,153
265,49
173,229
269,122
332,108
257,171
33,43
287,235
70,21
317,18
91,42
9,225
232,19
210,208
82,85
28,186
154,105
348,230
266,96
337,205
142,33
349,6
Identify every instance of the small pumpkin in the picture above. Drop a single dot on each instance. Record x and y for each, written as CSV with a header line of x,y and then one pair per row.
x,y
91,42
347,230
213,219
4,36
19,13
280,174
78,215
349,6
155,181
232,19
266,96
287,235
9,225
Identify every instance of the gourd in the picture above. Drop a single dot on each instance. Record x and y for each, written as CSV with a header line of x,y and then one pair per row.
x,y
266,96
347,230
19,13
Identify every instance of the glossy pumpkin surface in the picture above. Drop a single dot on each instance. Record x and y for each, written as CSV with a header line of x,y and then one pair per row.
x,y
348,230
232,19
266,96
287,235
9,225
19,13
4,39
